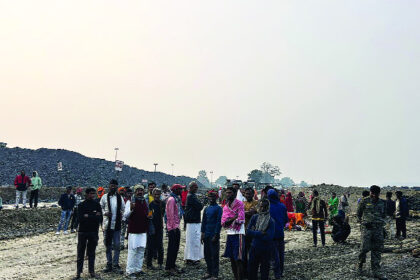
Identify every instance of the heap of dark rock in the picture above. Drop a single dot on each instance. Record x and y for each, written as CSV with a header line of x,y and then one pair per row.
x,y
78,170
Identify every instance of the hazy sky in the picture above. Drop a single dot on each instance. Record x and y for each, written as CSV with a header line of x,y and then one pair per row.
x,y
327,90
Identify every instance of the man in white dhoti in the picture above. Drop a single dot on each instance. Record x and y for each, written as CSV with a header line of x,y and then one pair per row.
x,y
194,250
137,216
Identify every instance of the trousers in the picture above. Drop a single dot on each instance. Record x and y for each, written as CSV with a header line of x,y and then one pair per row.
x,y
315,225
89,240
64,220
401,227
258,259
34,198
174,237
20,194
211,256
373,241
278,254
155,245
112,243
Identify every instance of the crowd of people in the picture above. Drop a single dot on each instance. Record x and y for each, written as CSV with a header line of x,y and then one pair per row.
x,y
140,217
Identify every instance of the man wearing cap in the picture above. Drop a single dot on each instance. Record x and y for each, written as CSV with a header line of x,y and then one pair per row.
x,y
113,206
193,252
137,217
67,202
173,218
371,215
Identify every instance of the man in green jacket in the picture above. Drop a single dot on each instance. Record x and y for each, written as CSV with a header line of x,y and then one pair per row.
x,y
36,184
333,206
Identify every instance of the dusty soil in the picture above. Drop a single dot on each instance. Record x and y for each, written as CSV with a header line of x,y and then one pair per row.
x,y
47,256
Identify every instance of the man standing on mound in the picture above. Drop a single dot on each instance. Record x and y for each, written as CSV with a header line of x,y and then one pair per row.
x,y
113,206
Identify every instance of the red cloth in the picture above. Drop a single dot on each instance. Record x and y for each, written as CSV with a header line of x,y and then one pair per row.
x,y
20,181
184,197
283,199
138,222
289,202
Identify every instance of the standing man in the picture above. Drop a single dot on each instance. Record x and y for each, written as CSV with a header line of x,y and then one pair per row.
x,y
390,211
90,216
127,199
342,206
333,205
138,224
319,214
278,213
250,206
149,195
210,235
371,214
261,228
113,206
22,183
75,217
193,252
301,203
401,215
233,220
173,218
36,184
155,236
67,202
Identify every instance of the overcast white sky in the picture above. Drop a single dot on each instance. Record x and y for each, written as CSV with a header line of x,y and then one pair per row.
x,y
327,90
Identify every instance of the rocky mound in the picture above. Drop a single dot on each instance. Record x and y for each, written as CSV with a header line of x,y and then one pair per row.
x,y
78,170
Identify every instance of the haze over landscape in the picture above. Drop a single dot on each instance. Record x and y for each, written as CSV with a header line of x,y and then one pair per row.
x,y
328,91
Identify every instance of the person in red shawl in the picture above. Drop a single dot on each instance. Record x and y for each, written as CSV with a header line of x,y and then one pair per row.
x,y
289,202
282,197
233,220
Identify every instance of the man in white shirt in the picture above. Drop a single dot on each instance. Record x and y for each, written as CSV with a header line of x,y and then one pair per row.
x,y
112,205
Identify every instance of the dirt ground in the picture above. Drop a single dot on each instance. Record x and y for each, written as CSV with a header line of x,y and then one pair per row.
x,y
47,256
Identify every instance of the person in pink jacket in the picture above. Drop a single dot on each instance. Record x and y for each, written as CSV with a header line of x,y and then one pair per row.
x,y
173,219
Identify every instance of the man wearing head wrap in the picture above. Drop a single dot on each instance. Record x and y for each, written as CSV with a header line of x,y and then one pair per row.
x,y
210,235
278,213
261,228
113,207
100,193
75,217
173,217
371,215
137,216
67,202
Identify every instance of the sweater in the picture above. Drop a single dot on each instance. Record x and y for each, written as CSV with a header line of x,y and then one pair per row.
x,y
172,214
36,182
193,209
211,223
67,201
137,219
158,210
90,223
22,183
261,241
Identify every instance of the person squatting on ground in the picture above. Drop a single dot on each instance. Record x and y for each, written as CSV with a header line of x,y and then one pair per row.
x,y
401,215
278,213
194,250
67,202
319,214
173,217
90,216
155,235
75,217
371,215
137,216
210,235
261,229
36,184
390,212
113,207
341,229
233,220
22,182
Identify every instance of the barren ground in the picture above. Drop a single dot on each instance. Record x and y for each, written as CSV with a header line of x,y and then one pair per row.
x,y
47,256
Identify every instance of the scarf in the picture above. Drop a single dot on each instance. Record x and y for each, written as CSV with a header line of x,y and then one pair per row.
x,y
316,204
229,212
263,220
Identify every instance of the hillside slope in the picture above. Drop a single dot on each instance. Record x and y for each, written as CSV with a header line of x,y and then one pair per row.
x,y
78,170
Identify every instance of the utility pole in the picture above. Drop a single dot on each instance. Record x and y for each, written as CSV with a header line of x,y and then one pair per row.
x,y
116,152
172,169
154,174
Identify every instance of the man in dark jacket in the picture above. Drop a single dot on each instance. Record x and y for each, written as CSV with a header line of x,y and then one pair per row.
x,y
155,234
319,212
261,228
90,216
278,213
341,229
193,247
401,215
67,202
22,183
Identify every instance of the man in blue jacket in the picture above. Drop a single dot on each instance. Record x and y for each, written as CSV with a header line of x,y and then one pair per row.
x,y
67,202
279,214
401,215
261,229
